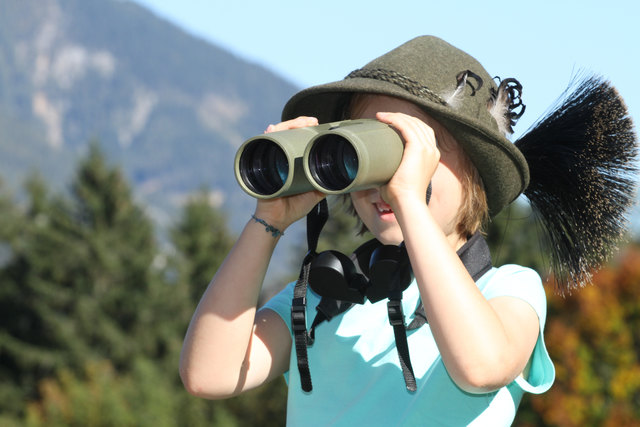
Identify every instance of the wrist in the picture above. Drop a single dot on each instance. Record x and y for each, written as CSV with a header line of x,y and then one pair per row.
x,y
274,229
408,201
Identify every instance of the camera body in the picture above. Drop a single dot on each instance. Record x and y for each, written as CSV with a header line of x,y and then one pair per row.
x,y
334,158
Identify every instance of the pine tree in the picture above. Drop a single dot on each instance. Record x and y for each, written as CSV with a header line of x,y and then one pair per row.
x,y
202,242
80,284
28,350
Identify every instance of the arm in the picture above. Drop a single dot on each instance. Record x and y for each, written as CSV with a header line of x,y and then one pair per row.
x,y
484,344
229,347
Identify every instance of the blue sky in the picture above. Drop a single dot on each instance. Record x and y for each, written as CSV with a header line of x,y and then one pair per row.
x,y
542,43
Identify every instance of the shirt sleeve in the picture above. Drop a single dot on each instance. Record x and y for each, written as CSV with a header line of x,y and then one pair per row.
x,y
524,283
281,304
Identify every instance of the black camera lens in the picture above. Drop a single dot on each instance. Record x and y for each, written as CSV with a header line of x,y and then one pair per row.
x,y
264,167
333,162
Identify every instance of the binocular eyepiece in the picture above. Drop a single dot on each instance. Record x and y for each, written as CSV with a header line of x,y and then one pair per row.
x,y
334,158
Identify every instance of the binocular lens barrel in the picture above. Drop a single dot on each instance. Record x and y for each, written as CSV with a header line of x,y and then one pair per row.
x,y
333,162
334,158
264,167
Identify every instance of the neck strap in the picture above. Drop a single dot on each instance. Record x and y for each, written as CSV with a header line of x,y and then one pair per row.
x,y
476,258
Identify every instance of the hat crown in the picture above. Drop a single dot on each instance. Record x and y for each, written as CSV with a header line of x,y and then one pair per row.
x,y
449,85
435,66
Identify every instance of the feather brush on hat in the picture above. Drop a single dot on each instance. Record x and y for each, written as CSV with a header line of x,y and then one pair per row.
x,y
582,159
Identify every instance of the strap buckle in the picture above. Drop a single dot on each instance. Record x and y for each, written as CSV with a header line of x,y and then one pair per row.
x,y
394,310
298,314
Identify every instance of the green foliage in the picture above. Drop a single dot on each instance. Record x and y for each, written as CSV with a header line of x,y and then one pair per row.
x,y
514,238
92,317
79,284
100,396
145,396
202,241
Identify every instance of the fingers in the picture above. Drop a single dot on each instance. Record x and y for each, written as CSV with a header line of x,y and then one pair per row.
x,y
419,160
411,128
298,122
420,140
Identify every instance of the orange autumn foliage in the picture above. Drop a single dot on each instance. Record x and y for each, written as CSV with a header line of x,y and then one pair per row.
x,y
593,337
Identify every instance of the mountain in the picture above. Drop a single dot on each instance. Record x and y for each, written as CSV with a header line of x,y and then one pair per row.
x,y
170,108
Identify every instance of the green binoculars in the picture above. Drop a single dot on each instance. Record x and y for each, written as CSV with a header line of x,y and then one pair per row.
x,y
334,158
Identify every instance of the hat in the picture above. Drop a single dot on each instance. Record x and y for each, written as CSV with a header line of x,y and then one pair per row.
x,y
448,84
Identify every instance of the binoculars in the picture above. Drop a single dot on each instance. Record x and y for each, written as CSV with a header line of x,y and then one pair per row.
x,y
334,158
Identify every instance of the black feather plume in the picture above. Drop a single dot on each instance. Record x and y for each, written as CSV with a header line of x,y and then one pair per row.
x,y
582,159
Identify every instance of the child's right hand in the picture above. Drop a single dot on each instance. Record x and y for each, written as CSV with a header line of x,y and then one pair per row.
x,y
281,212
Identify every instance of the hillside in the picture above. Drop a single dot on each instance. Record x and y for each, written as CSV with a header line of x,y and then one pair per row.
x,y
169,107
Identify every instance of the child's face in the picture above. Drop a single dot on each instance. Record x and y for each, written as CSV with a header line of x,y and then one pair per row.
x,y
447,192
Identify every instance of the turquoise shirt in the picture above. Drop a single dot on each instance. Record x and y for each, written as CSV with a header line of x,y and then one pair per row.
x,y
357,379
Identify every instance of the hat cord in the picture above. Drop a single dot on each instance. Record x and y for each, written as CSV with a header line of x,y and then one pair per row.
x,y
398,79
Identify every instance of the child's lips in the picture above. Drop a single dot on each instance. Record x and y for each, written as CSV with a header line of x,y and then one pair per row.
x,y
382,207
384,210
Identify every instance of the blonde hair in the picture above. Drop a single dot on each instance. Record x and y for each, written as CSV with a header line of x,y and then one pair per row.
x,y
473,213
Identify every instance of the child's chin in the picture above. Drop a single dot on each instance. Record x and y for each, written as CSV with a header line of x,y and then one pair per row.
x,y
390,237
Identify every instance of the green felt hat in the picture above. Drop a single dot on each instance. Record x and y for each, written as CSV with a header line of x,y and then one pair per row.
x,y
449,85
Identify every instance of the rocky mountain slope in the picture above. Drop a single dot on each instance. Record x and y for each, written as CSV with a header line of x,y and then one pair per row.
x,y
171,109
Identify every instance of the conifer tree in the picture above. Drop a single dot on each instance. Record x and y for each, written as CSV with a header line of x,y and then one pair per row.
x,y
80,284
202,242
27,343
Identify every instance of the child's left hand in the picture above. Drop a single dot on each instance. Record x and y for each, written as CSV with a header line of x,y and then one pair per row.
x,y
419,160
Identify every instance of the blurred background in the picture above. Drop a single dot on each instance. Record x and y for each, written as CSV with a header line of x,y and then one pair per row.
x,y
119,121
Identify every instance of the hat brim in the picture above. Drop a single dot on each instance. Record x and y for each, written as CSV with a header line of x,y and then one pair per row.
x,y
502,167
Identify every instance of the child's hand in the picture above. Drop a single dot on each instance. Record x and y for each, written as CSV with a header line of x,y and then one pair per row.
x,y
419,160
281,212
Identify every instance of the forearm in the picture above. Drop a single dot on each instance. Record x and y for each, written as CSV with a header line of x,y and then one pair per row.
x,y
475,347
218,338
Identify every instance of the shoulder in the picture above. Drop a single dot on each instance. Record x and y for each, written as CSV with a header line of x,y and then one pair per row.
x,y
515,281
281,303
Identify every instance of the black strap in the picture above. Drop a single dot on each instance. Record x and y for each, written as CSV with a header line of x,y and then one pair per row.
x,y
299,326
327,309
316,219
396,319
476,257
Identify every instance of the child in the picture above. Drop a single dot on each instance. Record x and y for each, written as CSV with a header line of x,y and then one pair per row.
x,y
481,346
